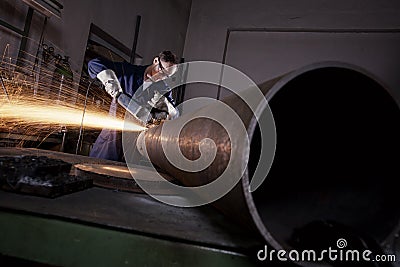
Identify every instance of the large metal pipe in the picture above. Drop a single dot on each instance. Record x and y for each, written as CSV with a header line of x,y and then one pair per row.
x,y
336,159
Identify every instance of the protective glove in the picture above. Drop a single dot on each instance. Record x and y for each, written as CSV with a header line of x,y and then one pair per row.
x,y
110,81
162,109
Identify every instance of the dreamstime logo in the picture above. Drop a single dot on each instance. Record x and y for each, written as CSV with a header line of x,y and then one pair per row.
x,y
241,85
341,243
326,255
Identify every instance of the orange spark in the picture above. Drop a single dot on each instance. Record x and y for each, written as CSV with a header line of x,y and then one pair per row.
x,y
25,112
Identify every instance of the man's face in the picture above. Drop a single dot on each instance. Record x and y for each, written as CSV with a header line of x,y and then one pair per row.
x,y
162,70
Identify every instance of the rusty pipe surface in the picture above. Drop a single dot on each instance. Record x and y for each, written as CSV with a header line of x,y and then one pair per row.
x,y
190,137
337,128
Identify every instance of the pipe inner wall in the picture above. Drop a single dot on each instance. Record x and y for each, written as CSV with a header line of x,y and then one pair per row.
x,y
336,162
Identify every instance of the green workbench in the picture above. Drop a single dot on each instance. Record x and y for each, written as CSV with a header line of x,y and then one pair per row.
x,y
103,227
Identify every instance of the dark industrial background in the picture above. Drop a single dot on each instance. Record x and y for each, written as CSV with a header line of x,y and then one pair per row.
x,y
264,39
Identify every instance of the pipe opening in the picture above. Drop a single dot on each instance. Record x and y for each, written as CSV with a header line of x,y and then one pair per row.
x,y
336,161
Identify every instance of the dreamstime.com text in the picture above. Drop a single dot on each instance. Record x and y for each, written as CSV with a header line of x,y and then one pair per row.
x,y
329,254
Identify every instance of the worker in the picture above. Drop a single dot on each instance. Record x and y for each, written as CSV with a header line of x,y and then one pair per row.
x,y
125,78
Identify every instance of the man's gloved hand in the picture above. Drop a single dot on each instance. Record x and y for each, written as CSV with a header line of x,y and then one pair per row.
x,y
162,109
110,81
113,88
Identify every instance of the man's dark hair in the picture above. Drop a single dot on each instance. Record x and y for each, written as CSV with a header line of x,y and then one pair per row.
x,y
168,56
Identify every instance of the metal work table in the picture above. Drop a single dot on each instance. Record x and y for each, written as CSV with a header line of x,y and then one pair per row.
x,y
104,227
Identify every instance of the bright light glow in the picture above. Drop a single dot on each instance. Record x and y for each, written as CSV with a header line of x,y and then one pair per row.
x,y
116,169
36,113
